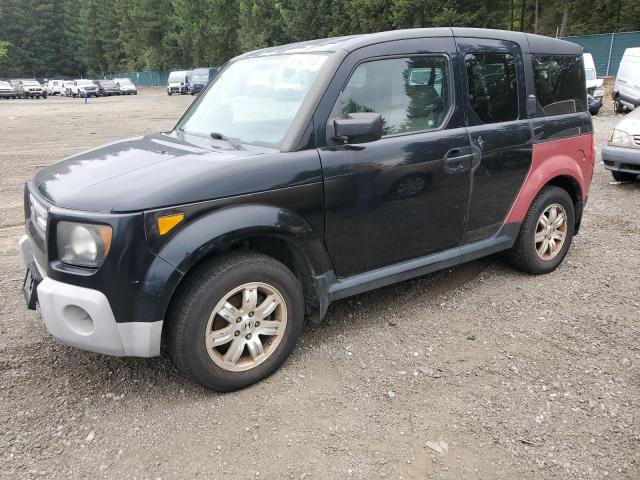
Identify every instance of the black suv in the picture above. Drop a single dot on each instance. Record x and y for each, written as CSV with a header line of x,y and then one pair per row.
x,y
106,88
196,80
304,174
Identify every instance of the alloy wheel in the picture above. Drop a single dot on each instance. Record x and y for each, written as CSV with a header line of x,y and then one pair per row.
x,y
246,326
551,232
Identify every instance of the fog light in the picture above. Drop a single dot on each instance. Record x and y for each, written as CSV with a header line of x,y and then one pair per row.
x,y
78,320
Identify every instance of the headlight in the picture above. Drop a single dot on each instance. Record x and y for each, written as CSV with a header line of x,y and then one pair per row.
x,y
618,138
83,244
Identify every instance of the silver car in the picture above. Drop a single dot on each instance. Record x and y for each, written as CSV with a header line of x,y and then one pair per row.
x,y
622,153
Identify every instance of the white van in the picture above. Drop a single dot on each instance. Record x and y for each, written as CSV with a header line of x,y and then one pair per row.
x,y
55,87
177,82
595,90
626,91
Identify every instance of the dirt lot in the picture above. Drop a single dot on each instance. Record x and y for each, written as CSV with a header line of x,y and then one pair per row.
x,y
522,377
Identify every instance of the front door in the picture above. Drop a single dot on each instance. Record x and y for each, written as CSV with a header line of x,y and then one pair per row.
x,y
499,131
403,196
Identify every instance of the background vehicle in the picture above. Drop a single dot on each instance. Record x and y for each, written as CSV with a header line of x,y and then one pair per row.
x,y
370,163
196,80
7,90
82,87
622,153
595,90
176,82
626,91
126,86
55,87
107,88
68,88
30,89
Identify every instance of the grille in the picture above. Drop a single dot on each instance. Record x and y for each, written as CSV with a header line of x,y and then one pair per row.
x,y
39,213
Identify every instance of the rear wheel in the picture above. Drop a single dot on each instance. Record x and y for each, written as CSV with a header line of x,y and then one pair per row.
x,y
618,106
236,321
546,232
623,176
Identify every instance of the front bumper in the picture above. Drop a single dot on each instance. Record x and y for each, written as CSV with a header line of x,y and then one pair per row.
x,y
83,318
7,94
622,159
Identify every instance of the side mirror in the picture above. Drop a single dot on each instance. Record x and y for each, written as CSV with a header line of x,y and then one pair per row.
x,y
358,127
532,106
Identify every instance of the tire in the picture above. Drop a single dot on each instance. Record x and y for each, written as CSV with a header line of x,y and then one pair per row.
x,y
524,254
169,93
623,176
618,106
206,289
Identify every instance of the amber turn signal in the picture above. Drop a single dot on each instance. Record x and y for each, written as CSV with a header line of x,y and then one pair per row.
x,y
167,223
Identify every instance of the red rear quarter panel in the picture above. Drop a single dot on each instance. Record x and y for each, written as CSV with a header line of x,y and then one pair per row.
x,y
569,157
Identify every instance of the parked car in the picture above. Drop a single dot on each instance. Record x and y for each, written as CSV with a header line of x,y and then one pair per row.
x,y
107,88
196,80
220,237
595,89
622,153
176,82
126,86
68,87
7,90
626,90
55,87
82,88
28,89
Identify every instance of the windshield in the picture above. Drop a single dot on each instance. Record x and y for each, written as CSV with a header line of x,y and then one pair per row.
x,y
85,83
590,74
125,82
107,83
31,83
255,100
4,84
176,77
201,78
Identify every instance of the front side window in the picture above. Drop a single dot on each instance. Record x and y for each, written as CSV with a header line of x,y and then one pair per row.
x,y
559,83
493,86
411,94
255,100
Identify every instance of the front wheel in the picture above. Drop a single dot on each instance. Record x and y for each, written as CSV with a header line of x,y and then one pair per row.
x,y
546,232
618,106
623,176
236,321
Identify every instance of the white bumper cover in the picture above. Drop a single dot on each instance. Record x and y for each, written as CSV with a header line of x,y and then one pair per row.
x,y
82,317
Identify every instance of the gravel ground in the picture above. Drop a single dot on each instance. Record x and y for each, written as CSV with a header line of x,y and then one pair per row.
x,y
477,372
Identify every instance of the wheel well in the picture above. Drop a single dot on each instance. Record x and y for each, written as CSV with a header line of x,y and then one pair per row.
x,y
271,246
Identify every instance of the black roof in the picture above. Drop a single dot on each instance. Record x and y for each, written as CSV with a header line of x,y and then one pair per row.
x,y
528,42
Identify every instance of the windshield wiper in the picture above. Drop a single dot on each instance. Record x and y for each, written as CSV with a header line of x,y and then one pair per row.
x,y
218,136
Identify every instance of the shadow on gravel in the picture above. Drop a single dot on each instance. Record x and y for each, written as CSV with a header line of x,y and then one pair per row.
x,y
379,306
61,370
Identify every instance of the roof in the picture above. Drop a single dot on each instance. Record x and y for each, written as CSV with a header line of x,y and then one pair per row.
x,y
527,41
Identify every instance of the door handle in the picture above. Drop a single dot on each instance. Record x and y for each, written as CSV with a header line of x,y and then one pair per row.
x,y
455,159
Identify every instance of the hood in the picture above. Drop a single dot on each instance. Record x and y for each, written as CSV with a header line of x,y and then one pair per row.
x,y
631,123
159,170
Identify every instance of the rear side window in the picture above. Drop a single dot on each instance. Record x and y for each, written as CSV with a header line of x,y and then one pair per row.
x,y
493,86
411,94
559,83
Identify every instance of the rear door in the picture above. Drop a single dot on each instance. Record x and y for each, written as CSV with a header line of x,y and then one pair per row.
x,y
499,131
403,196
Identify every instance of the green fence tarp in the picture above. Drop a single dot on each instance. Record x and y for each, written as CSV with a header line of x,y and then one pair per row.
x,y
607,49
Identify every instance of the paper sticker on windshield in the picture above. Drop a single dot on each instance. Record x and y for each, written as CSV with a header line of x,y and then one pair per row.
x,y
306,61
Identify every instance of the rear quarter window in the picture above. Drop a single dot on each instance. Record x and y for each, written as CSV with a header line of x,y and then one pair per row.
x,y
559,83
